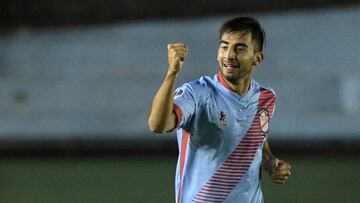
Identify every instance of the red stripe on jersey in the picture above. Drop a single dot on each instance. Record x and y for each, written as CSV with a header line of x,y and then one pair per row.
x,y
178,113
184,144
229,174
223,82
267,101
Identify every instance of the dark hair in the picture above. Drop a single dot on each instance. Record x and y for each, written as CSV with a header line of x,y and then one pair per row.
x,y
246,25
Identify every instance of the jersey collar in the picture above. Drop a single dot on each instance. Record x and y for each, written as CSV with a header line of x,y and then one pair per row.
x,y
222,81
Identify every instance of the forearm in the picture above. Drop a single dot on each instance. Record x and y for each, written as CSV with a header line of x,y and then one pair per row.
x,y
267,156
162,119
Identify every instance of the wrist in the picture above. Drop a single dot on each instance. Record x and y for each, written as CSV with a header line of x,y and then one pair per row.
x,y
268,163
172,71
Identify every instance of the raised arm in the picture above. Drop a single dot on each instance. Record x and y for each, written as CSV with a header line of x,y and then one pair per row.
x,y
162,118
279,170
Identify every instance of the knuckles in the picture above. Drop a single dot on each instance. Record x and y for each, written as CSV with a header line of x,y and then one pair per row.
x,y
177,50
177,46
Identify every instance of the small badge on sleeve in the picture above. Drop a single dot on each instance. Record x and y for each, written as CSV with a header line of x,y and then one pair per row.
x,y
264,120
178,92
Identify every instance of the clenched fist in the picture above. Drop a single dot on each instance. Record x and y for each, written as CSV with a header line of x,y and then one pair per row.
x,y
176,56
279,170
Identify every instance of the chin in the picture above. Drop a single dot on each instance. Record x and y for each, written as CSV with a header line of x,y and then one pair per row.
x,y
231,77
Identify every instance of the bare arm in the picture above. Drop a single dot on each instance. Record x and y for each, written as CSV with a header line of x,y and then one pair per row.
x,y
267,156
279,170
162,118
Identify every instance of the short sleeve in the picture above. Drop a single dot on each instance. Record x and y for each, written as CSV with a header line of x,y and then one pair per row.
x,y
273,112
184,105
273,101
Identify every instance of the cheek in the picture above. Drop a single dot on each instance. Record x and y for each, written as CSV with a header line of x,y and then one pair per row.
x,y
219,56
246,59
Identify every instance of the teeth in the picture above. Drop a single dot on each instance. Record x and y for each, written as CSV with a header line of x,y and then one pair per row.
x,y
231,65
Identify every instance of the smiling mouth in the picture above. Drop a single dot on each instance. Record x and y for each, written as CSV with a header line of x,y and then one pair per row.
x,y
231,65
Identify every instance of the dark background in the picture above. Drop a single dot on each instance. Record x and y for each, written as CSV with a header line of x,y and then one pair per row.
x,y
16,13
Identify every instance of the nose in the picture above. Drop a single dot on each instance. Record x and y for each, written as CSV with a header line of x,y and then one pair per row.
x,y
230,54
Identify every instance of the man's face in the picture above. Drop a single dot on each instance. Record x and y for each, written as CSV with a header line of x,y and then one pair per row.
x,y
237,56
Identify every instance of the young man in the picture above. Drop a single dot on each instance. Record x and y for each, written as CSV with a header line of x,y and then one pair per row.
x,y
221,121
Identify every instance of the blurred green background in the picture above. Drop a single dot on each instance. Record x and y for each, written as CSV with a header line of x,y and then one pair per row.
x,y
315,178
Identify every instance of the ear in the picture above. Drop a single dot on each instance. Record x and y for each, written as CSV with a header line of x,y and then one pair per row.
x,y
258,58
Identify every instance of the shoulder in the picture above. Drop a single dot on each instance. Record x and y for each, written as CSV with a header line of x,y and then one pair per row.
x,y
265,89
199,89
203,81
202,84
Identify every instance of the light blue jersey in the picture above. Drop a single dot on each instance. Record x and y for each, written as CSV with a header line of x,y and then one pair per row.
x,y
220,136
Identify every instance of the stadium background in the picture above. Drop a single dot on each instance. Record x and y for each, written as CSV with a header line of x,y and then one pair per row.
x,y
77,78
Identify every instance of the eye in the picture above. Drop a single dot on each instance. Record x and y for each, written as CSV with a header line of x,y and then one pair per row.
x,y
223,47
240,49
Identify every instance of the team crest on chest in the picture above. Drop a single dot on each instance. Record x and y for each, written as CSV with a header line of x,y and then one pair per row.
x,y
222,119
264,120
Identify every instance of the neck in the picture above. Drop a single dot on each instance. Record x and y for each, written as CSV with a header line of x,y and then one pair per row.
x,y
241,86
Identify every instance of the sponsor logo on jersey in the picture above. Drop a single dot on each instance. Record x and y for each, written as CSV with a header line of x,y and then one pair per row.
x,y
264,120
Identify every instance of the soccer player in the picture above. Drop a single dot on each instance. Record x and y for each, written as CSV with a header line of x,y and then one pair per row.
x,y
222,121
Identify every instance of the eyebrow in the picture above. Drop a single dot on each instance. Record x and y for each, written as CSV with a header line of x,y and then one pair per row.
x,y
238,44
224,42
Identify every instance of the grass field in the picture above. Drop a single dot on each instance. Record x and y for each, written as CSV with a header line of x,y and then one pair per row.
x,y
315,179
